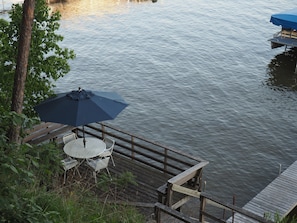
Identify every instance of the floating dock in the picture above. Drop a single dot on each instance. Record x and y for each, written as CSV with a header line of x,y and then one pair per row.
x,y
279,197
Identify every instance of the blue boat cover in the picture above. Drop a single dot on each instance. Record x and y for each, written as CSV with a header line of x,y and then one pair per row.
x,y
286,19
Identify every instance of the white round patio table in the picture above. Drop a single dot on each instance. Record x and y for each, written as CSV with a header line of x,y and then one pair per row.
x,y
76,149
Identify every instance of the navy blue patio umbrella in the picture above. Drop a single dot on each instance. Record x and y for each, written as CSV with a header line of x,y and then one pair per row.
x,y
81,107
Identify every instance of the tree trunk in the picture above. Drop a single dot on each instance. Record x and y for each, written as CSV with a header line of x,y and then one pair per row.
x,y
22,65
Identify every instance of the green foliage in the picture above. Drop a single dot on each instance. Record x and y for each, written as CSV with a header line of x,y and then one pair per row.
x,y
30,176
115,186
125,178
85,206
278,219
15,119
22,169
107,184
47,60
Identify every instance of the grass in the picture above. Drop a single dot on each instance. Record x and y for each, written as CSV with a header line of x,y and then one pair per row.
x,y
76,204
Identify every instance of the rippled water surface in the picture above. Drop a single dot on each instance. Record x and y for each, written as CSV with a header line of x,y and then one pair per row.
x,y
199,76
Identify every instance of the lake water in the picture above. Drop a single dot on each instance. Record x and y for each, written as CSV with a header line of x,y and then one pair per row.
x,y
199,76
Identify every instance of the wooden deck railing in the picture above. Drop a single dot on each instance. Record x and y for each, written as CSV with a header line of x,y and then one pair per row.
x,y
185,185
207,216
174,214
213,202
153,154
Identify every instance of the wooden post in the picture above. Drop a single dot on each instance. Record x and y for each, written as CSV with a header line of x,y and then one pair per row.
x,y
199,180
195,182
165,159
202,208
169,194
162,194
132,147
233,211
204,186
103,131
157,214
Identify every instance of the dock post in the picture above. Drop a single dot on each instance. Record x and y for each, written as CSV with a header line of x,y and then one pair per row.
x,y
202,208
280,165
204,186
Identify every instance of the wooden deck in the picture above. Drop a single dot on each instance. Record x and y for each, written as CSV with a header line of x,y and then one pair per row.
x,y
151,164
279,197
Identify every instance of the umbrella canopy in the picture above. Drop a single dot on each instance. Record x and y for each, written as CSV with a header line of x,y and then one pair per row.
x,y
286,19
81,107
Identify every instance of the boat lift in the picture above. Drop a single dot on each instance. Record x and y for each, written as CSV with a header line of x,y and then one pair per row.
x,y
288,35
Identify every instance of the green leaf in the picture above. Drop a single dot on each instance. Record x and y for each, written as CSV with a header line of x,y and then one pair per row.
x,y
47,60
13,169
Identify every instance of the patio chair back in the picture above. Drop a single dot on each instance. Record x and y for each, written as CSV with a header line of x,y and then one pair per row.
x,y
69,137
69,163
110,143
99,164
102,163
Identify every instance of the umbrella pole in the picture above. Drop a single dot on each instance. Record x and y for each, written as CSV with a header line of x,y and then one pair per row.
x,y
84,138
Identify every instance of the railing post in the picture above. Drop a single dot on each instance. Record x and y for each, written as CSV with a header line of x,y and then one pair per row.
x,y
202,208
169,194
102,131
165,160
132,148
199,180
233,211
157,214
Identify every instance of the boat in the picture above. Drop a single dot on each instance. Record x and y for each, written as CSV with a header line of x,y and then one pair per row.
x,y
288,34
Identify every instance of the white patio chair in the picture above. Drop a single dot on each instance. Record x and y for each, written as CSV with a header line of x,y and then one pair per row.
x,y
99,164
110,143
69,163
69,137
